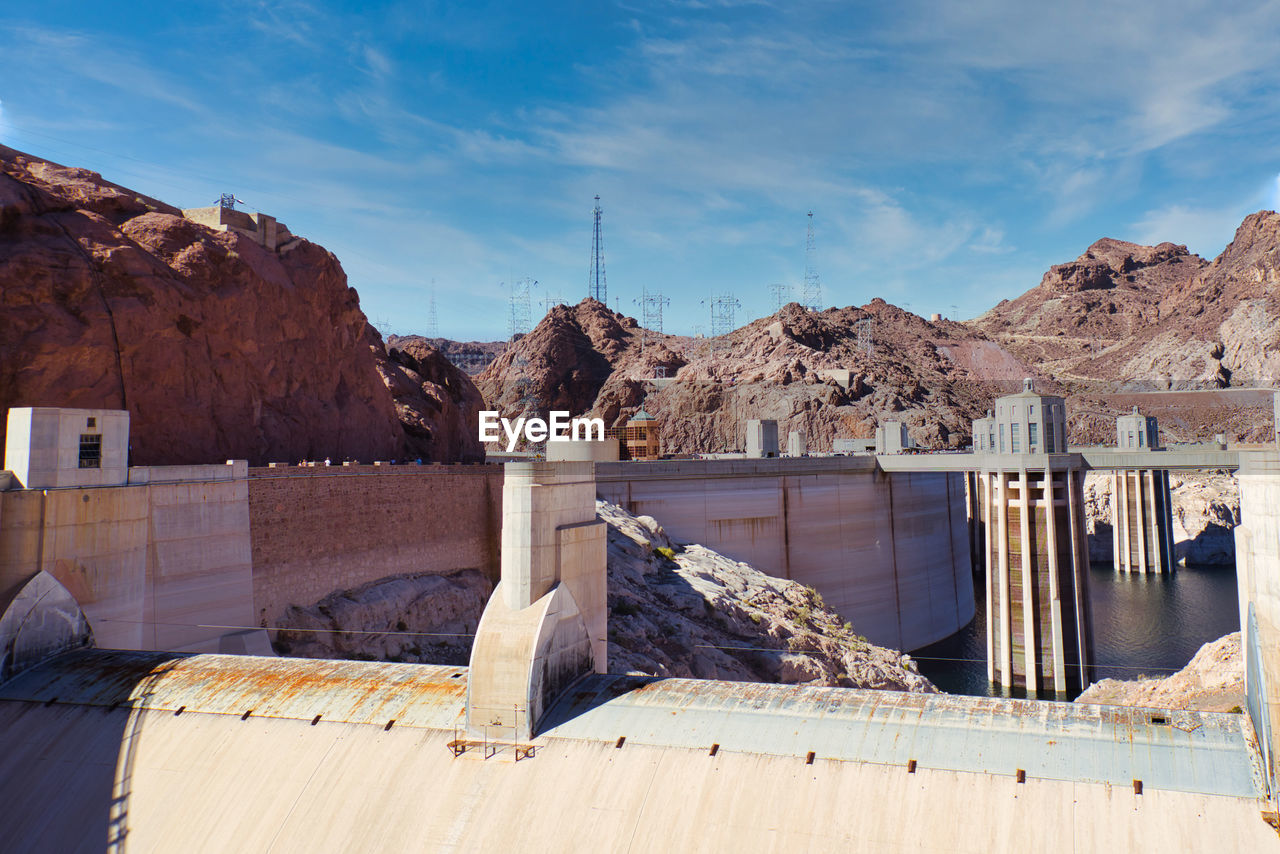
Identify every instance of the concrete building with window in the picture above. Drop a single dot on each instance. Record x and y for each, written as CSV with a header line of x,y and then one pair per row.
x,y
1137,432
51,448
1030,423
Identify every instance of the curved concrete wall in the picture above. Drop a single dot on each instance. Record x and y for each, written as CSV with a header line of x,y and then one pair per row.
x,y
890,552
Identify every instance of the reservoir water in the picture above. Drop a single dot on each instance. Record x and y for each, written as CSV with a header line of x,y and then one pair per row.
x,y
1143,625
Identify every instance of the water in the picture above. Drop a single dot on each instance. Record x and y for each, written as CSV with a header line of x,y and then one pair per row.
x,y
1143,625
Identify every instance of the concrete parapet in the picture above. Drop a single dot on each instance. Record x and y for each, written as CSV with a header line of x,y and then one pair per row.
x,y
546,622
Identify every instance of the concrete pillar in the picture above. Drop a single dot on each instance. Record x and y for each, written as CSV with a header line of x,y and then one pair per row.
x,y
1027,557
1055,586
1080,581
1139,506
1258,581
1002,557
545,623
985,479
1141,517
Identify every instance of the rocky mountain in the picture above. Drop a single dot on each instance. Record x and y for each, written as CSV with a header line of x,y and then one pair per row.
x,y
218,347
471,357
807,370
1212,682
1112,293
1124,318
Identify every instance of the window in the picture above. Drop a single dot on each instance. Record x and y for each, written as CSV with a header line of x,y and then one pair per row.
x,y
1031,410
91,423
1130,438
1002,438
90,450
1032,437
1015,441
1140,438
991,441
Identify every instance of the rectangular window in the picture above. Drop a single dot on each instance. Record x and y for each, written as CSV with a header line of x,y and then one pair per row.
x,y
1002,438
90,450
1015,440
1032,437
1140,439
1130,438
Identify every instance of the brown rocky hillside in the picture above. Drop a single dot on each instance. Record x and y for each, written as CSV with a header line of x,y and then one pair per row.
x,y
791,366
218,347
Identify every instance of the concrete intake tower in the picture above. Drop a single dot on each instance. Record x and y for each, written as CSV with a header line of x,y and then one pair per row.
x,y
1030,494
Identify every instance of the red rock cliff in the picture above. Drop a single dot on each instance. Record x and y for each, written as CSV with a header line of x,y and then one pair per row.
x,y
218,347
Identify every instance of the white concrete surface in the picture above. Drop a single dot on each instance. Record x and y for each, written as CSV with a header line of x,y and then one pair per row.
x,y
42,446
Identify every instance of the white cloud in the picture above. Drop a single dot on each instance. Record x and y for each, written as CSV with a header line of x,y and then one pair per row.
x,y
1205,231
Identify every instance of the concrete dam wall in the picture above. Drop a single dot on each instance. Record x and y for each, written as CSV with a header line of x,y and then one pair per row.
x,y
890,552
180,557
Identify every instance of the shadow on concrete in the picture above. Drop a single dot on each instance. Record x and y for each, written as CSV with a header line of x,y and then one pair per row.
x,y
69,732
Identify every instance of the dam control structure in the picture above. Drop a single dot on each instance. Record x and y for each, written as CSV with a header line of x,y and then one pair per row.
x,y
1141,513
1035,558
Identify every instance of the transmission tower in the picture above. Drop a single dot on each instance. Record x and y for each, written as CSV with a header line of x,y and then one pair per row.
x,y
550,301
518,322
722,308
433,322
651,306
781,295
865,343
597,287
811,293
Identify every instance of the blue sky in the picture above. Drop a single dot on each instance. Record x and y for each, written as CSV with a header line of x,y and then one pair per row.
x,y
950,151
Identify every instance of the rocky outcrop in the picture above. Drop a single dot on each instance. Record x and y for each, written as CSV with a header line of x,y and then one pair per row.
x,y
688,611
1212,682
420,618
218,347
471,357
1205,509
437,403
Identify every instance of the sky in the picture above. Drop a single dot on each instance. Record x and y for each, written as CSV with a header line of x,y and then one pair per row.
x,y
949,152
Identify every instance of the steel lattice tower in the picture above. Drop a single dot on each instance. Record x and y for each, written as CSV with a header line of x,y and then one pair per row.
x,y
781,295
597,287
433,322
723,307
651,306
811,294
521,309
